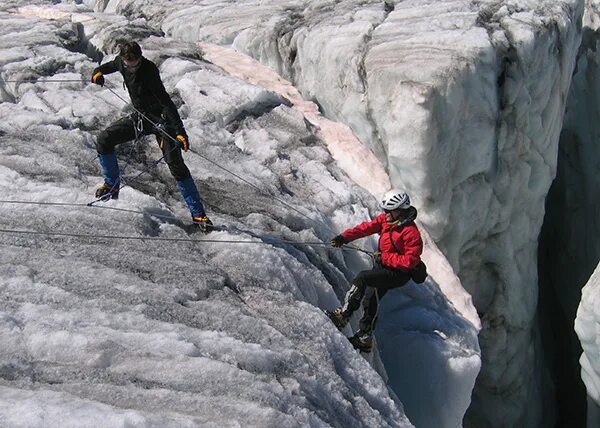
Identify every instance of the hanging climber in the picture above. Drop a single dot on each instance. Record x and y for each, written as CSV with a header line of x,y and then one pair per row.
x,y
397,261
149,97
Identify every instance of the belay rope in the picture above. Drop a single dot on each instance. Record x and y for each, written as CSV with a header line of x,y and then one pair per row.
x,y
138,131
158,127
263,241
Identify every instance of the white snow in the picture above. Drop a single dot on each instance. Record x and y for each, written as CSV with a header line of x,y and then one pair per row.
x,y
203,333
32,408
463,103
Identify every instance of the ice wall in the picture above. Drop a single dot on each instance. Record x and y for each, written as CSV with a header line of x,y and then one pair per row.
x,y
466,108
447,366
570,238
575,195
587,325
463,102
141,332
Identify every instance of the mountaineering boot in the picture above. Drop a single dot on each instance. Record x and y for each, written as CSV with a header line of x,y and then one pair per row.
x,y
190,195
107,192
363,341
203,223
337,318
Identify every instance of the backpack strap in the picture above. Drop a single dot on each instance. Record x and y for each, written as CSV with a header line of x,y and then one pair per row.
x,y
392,240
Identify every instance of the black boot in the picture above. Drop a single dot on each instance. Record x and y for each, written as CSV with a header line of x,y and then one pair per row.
x,y
363,341
337,318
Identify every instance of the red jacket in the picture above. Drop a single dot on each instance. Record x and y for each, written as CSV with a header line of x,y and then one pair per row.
x,y
406,238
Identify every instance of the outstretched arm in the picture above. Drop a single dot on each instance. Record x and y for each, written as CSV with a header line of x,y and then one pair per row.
x,y
106,68
365,228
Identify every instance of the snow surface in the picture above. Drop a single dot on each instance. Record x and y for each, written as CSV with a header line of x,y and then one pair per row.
x,y
462,102
202,331
417,325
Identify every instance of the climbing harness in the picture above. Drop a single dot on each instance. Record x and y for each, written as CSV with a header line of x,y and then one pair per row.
x,y
41,81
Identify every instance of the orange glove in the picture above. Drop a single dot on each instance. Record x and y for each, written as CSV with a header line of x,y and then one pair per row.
x,y
185,144
98,78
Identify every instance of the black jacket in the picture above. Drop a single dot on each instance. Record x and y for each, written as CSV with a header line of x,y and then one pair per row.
x,y
146,90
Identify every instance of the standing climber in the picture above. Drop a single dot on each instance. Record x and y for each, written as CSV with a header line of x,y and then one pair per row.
x,y
397,261
151,101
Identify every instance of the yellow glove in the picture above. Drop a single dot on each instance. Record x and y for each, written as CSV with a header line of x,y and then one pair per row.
x,y
98,78
185,144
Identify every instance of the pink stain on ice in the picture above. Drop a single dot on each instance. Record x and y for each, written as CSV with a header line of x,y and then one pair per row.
x,y
357,160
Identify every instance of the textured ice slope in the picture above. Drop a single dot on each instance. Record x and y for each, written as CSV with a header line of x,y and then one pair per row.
x,y
463,102
165,333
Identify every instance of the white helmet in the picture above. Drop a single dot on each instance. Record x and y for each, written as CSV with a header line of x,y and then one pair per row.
x,y
394,199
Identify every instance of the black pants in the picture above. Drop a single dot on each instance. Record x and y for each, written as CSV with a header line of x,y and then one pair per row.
x,y
123,130
370,286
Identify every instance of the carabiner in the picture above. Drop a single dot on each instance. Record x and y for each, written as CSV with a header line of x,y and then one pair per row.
x,y
140,124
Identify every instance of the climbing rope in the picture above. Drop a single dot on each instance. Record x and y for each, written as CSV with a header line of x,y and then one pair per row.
x,y
41,81
152,238
264,192
71,204
155,163
142,238
138,128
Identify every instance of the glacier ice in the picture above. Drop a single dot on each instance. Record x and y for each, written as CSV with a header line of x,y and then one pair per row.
x,y
569,250
463,104
189,333
586,326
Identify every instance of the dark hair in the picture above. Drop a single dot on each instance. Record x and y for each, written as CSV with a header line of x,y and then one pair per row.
x,y
130,50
